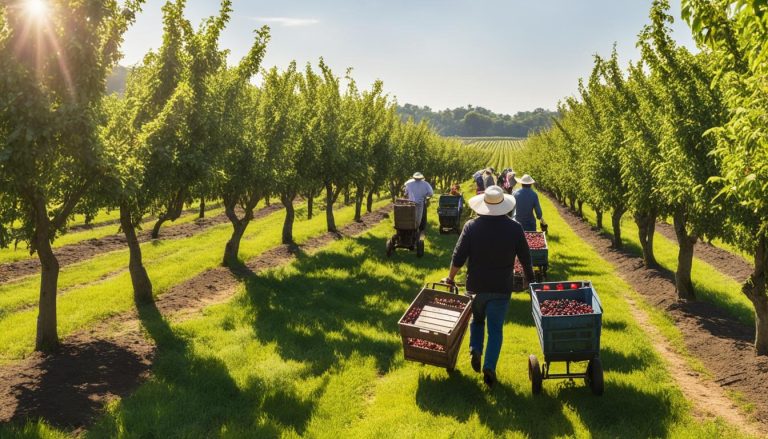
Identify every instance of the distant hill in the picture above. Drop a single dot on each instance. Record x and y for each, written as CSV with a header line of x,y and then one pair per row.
x,y
479,122
116,80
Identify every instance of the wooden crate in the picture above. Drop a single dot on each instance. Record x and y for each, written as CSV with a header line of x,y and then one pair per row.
x,y
436,323
445,359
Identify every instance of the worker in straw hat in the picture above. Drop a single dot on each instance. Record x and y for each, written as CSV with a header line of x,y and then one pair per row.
x,y
527,205
418,191
490,242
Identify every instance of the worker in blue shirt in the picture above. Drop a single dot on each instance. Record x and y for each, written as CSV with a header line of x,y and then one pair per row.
x,y
526,204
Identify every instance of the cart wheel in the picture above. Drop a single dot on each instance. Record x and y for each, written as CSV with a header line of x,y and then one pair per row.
x,y
390,247
594,378
420,248
534,374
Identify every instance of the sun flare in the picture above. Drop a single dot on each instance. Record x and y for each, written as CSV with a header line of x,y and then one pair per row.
x,y
36,8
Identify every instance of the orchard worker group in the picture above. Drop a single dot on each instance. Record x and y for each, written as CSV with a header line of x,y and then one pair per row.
x,y
488,246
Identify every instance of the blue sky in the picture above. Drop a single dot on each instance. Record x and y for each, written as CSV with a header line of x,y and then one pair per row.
x,y
506,55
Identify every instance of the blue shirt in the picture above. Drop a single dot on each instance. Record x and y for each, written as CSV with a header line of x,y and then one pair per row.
x,y
526,202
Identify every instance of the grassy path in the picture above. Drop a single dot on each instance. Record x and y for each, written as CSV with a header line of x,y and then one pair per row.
x,y
101,287
312,349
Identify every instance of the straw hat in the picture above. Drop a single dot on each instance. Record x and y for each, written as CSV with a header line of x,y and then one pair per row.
x,y
418,176
494,202
525,180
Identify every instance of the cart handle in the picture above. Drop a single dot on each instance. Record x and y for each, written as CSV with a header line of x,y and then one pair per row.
x,y
451,288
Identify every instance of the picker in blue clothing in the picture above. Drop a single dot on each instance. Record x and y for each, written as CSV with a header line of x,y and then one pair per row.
x,y
490,242
527,203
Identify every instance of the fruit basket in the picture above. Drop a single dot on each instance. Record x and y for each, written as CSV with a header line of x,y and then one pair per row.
x,y
434,325
568,318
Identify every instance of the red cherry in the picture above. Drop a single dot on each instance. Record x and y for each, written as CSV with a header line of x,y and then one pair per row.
x,y
560,287
574,286
546,287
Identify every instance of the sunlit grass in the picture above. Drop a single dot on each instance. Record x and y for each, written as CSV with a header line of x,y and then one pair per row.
x,y
312,349
89,298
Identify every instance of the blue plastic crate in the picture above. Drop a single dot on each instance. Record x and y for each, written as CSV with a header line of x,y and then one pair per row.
x,y
568,338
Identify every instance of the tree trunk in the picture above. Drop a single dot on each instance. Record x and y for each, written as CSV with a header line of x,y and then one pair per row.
x,y
646,228
266,201
359,195
755,290
174,212
599,214
202,208
310,205
47,336
347,196
572,203
232,248
683,283
581,209
290,215
330,198
142,286
616,224
369,202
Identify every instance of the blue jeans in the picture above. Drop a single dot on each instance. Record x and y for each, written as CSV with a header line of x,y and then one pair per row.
x,y
491,308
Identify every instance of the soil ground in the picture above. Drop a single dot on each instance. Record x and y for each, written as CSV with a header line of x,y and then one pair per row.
x,y
724,261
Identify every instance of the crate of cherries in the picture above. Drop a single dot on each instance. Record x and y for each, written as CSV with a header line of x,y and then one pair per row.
x,y
536,240
433,326
537,243
425,344
564,307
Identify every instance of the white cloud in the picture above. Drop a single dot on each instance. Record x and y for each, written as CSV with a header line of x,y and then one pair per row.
x,y
288,21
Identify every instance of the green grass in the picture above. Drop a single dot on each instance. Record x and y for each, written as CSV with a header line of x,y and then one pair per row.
x,y
101,287
710,284
312,349
20,253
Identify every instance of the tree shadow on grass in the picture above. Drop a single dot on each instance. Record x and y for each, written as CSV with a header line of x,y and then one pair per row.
x,y
195,396
326,307
623,411
502,409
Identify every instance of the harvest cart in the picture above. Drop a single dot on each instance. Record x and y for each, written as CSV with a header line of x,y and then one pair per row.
x,y
567,338
407,229
449,212
539,254
434,325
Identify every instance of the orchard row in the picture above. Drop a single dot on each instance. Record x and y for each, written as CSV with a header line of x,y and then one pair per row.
x,y
674,134
189,126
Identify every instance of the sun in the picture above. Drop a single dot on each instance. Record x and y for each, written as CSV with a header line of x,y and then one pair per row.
x,y
36,8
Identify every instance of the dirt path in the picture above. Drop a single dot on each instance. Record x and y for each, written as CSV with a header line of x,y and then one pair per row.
x,y
706,397
196,210
722,344
81,251
724,261
112,358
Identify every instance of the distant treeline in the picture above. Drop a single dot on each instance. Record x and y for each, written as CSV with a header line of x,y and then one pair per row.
x,y
480,122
